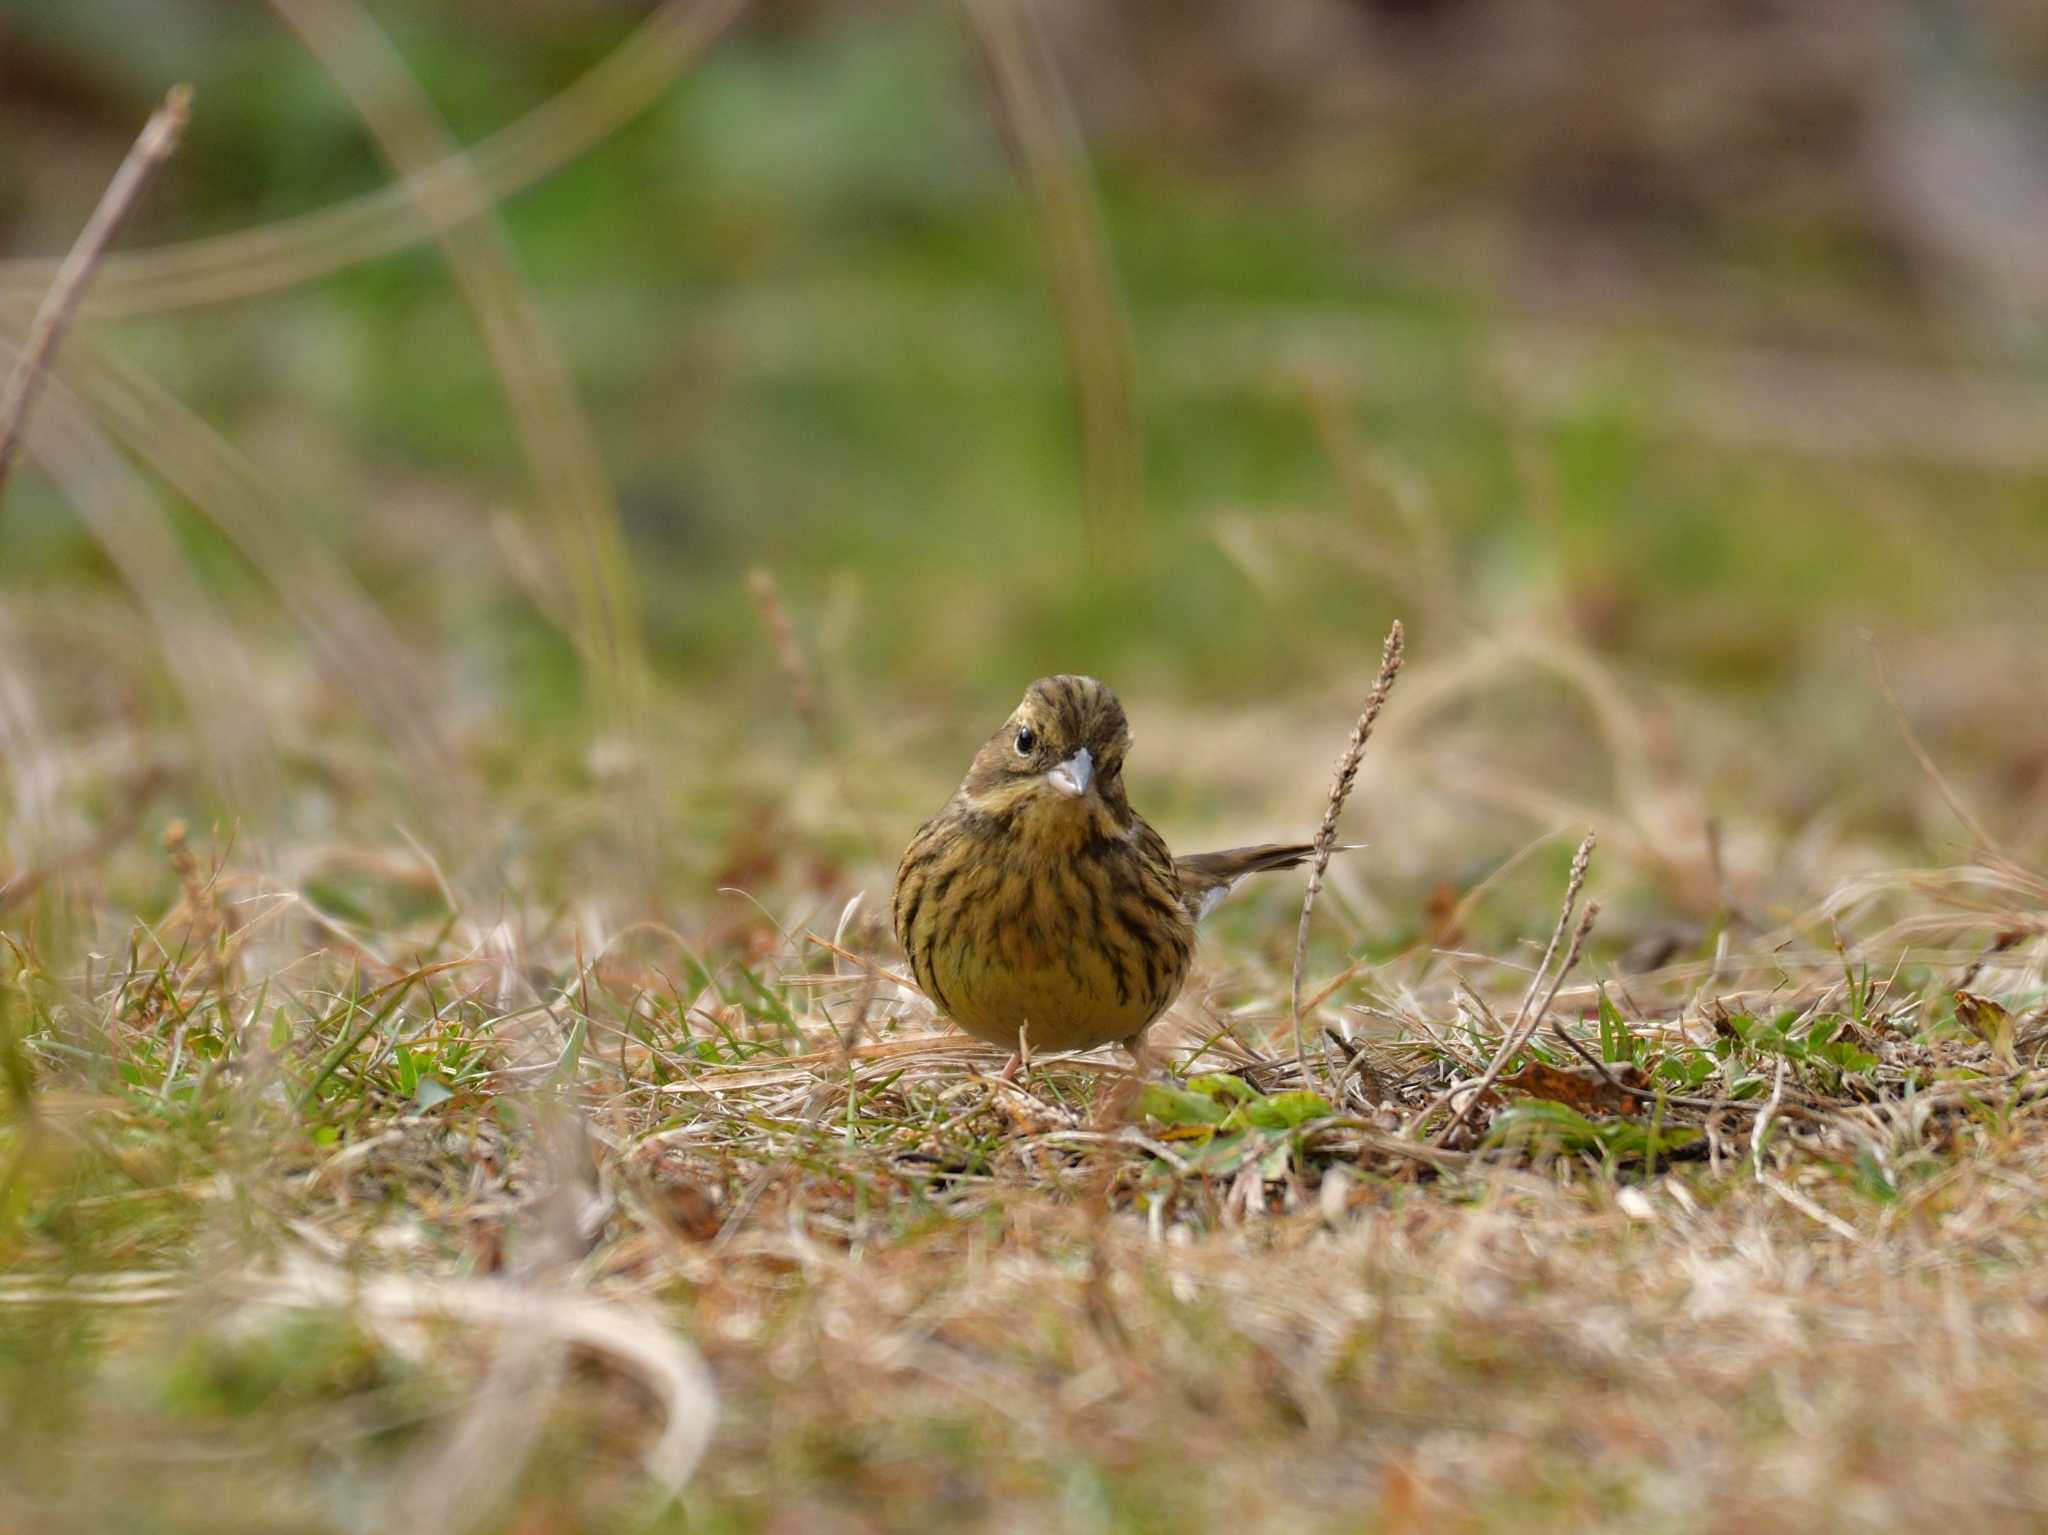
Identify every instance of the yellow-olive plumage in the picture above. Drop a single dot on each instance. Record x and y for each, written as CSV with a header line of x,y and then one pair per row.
x,y
1039,901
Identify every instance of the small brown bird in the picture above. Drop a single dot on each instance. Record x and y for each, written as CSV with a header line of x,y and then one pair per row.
x,y
1039,901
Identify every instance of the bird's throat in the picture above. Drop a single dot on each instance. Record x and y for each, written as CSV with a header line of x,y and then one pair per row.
x,y
1060,825
1051,823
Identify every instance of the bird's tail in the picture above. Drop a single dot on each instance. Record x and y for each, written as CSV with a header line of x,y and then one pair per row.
x,y
1205,878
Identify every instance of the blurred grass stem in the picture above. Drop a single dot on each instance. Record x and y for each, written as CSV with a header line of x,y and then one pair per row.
x,y
154,145
1096,333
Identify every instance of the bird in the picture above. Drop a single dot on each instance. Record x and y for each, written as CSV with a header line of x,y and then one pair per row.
x,y
1037,908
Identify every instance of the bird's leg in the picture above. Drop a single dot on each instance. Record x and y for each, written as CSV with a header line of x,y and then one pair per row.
x,y
1021,1061
1145,1060
1116,1104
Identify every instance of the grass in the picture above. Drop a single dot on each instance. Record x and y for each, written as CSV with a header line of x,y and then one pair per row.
x,y
316,1198
453,1076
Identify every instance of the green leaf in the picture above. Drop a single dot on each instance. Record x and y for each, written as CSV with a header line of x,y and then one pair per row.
x,y
1273,1165
1286,1111
1847,1057
1628,1138
1687,1071
1540,1119
1872,1181
1616,1044
1221,1084
431,1090
1557,1126
1171,1106
1223,1155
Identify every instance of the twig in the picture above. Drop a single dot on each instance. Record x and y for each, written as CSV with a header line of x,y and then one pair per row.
x,y
154,145
1391,656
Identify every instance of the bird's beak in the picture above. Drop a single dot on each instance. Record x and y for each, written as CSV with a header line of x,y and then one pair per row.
x,y
1073,776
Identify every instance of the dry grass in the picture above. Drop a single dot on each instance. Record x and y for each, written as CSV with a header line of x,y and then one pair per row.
x,y
1770,1260
1342,778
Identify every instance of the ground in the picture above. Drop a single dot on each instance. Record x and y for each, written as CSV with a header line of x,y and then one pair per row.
x,y
392,1208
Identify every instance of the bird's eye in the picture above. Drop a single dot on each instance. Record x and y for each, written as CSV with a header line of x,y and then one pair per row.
x,y
1026,741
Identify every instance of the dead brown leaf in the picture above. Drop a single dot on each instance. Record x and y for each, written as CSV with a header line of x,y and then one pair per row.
x,y
1581,1087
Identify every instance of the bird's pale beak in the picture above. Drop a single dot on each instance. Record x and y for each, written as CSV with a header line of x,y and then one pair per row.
x,y
1073,776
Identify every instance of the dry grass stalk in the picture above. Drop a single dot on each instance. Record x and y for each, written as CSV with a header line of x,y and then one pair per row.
x,y
123,514
1392,653
1574,884
1528,1016
1927,763
861,962
1426,951
1571,959
555,435
356,638
291,252
636,1341
796,671
858,927
1759,1134
1100,356
154,145
136,796
807,701
1371,487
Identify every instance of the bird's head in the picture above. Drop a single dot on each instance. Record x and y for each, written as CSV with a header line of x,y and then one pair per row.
x,y
1060,754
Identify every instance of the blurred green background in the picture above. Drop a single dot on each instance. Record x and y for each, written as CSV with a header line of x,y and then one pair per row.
x,y
1674,346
